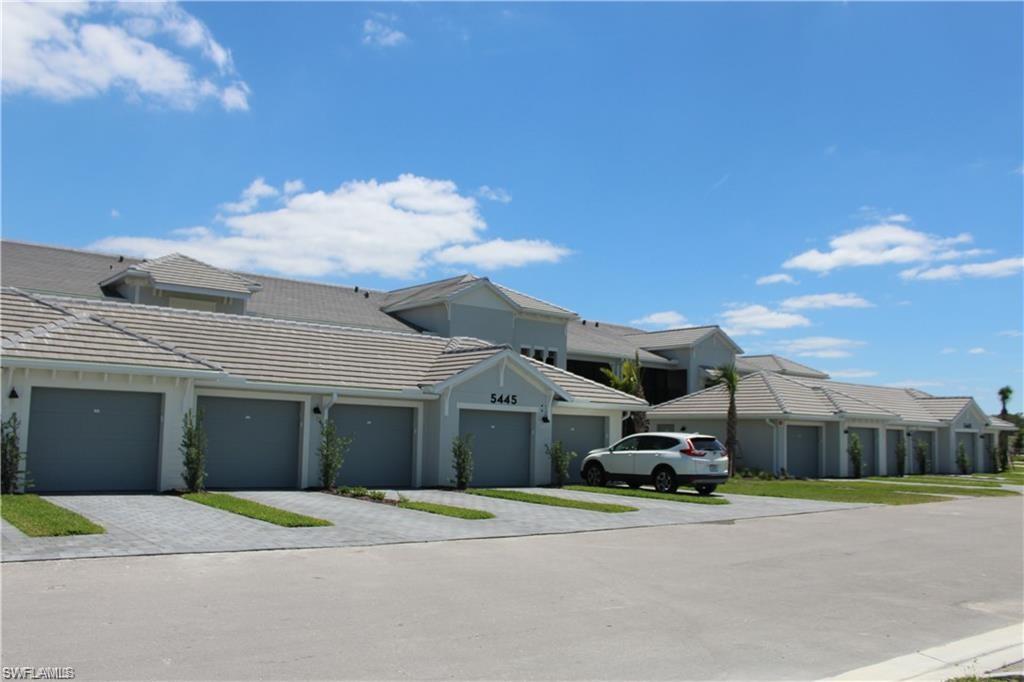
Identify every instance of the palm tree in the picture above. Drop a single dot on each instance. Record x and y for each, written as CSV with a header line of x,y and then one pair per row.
x,y
1005,393
726,375
630,380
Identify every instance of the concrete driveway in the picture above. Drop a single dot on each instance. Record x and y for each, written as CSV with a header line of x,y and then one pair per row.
x,y
800,597
165,524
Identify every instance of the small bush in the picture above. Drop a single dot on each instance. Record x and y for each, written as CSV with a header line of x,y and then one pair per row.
x,y
331,453
856,455
10,455
764,476
462,460
921,456
560,460
961,458
193,452
901,457
361,492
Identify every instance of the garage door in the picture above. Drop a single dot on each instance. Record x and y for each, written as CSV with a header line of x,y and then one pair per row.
x,y
501,446
802,444
251,443
869,451
968,440
381,452
83,441
929,441
580,435
891,439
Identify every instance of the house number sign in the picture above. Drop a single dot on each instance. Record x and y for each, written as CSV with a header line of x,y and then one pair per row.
x,y
504,399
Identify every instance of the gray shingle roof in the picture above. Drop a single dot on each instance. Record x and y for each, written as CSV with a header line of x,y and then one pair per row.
x,y
442,290
179,271
774,363
611,341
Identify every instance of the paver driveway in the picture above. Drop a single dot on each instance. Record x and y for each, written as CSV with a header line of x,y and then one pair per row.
x,y
165,524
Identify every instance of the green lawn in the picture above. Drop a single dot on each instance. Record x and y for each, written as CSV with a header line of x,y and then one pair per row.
x,y
830,491
550,500
935,478
255,510
938,489
650,494
1015,477
445,510
36,517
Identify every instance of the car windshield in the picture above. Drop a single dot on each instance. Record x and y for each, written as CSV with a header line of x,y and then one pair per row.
x,y
707,444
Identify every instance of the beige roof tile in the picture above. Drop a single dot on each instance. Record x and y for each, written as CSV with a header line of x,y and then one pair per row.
x,y
177,270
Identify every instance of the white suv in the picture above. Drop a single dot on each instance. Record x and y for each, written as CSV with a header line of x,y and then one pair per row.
x,y
665,460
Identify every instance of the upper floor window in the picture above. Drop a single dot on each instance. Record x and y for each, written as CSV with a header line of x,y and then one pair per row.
x,y
525,350
538,354
552,357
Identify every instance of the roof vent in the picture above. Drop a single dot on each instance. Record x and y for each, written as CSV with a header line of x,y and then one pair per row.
x,y
366,294
584,323
120,259
357,289
597,324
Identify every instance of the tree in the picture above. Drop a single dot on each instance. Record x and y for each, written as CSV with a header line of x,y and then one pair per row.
x,y
630,380
193,452
331,453
856,455
727,376
1005,394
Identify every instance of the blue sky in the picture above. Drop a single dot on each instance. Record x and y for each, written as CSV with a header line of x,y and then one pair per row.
x,y
628,162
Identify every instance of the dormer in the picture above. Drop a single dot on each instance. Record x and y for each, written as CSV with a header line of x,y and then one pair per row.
x,y
177,281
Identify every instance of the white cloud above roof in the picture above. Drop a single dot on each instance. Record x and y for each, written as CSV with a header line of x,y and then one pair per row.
x,y
257,190
379,31
498,194
665,319
395,228
821,301
755,319
820,347
151,51
1005,267
852,373
777,278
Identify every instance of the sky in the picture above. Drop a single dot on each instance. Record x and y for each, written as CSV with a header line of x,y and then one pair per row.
x,y
841,184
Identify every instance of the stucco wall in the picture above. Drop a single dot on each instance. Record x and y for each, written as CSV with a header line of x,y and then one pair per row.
x,y
497,326
433,318
541,334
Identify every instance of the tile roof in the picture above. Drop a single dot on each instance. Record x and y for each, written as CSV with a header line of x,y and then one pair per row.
x,y
675,338
1001,424
604,339
745,364
441,290
581,388
179,271
945,408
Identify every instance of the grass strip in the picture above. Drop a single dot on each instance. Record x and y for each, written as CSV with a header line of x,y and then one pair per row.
x,y
964,491
692,498
255,510
832,491
445,510
932,479
36,517
550,500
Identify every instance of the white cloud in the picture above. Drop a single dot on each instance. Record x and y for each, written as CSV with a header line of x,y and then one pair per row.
x,y
377,31
755,319
948,350
914,383
1006,267
293,186
719,183
831,149
778,278
494,194
393,229
1019,170
66,51
852,373
501,253
820,347
114,213
977,350
258,189
884,243
821,301
1012,332
666,319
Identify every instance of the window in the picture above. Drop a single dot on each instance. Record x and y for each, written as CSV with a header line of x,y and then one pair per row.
x,y
657,443
588,369
538,354
525,350
627,445
552,358
707,444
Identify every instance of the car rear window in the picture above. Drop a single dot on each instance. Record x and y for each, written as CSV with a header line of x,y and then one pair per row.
x,y
707,444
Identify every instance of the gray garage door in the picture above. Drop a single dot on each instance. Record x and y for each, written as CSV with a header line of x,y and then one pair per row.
x,y
929,440
968,439
251,443
81,441
501,446
869,451
381,452
580,435
891,439
802,444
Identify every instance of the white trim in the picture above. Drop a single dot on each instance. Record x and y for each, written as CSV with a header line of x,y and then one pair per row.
x,y
517,363
105,368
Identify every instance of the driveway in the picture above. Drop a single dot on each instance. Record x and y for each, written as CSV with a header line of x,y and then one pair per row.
x,y
801,597
165,524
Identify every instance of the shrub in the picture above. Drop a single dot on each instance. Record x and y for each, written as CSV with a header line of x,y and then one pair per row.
x,y
856,455
921,456
961,458
1018,443
764,476
331,453
360,491
462,460
560,460
10,457
901,457
193,452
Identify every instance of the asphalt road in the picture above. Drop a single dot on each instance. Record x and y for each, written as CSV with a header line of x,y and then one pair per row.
x,y
796,597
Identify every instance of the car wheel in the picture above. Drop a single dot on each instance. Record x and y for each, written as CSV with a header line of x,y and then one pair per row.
x,y
665,480
705,488
594,475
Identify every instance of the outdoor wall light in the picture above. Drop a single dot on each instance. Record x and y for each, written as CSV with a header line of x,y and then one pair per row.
x,y
13,395
545,419
316,409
